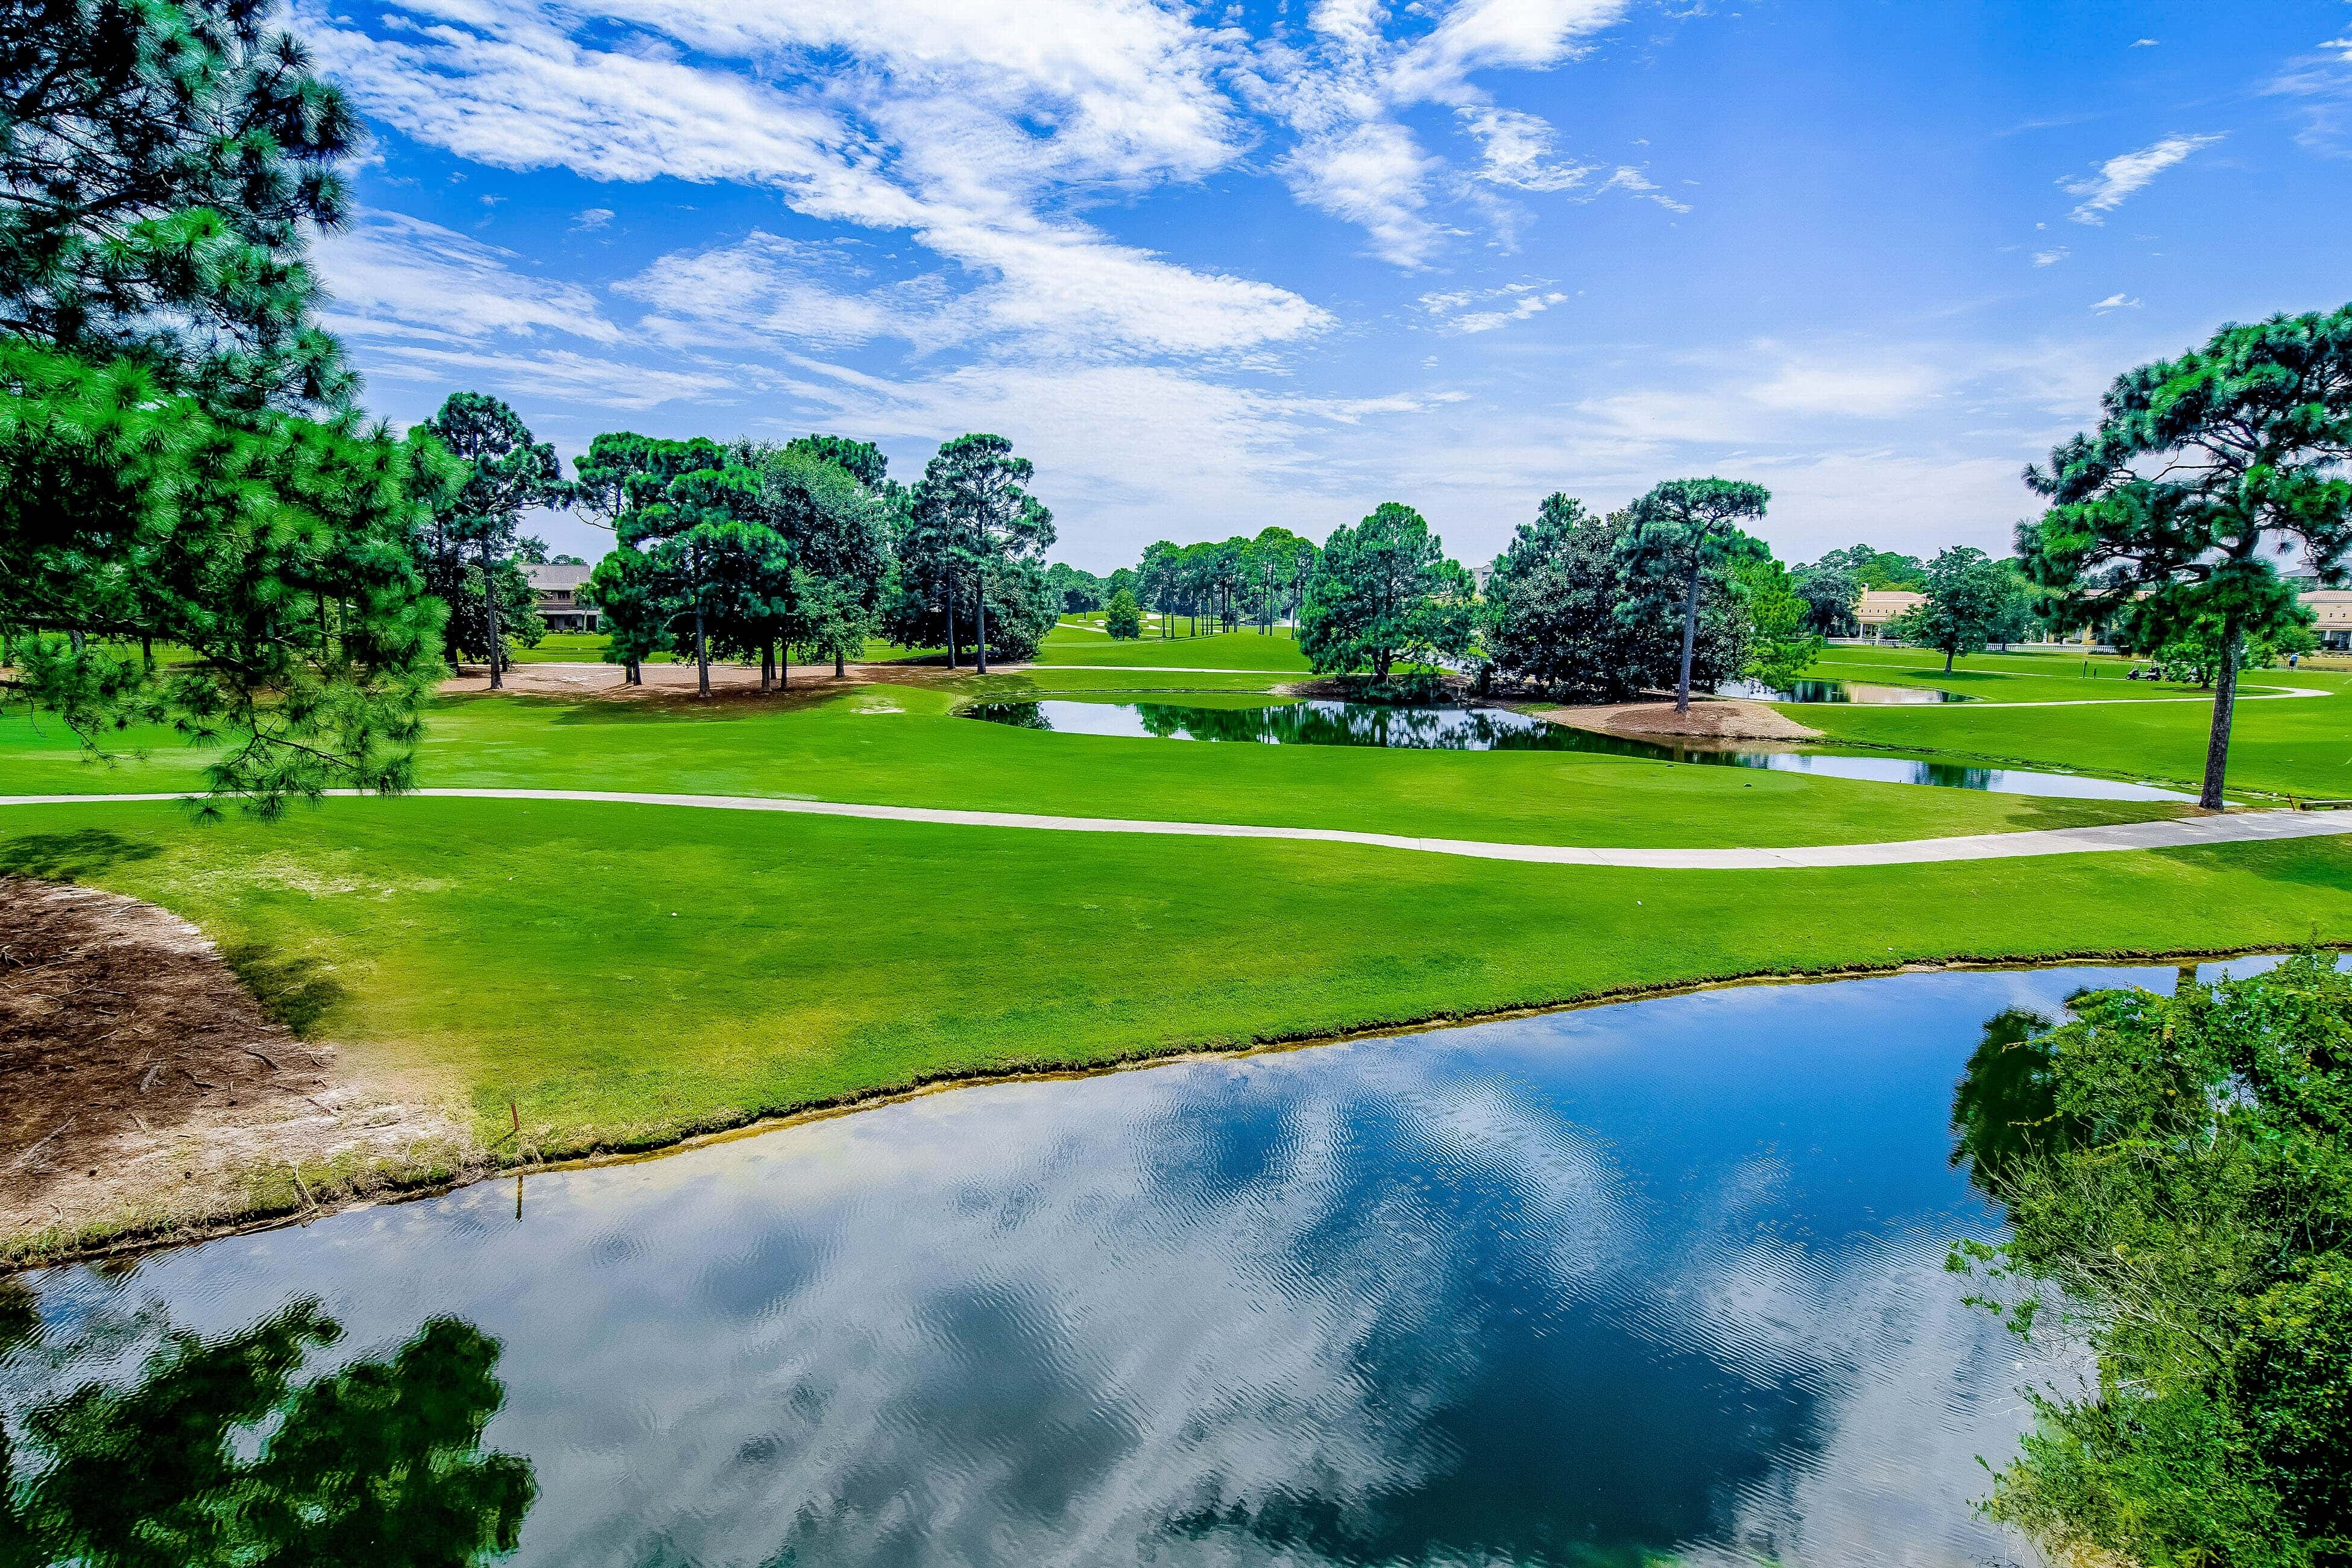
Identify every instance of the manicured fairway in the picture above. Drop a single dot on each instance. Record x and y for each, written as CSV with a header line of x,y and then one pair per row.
x,y
1249,650
627,973
2291,746
903,745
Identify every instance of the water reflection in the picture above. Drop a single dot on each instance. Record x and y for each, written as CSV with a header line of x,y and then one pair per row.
x,y
1653,1282
1324,723
1819,691
208,1452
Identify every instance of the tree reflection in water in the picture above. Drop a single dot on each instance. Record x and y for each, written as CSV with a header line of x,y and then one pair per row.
x,y
214,1455
2005,1107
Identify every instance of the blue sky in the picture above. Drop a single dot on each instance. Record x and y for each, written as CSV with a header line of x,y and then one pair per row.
x,y
1219,266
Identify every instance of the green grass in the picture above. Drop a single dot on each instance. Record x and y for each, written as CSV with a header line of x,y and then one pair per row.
x,y
2289,746
904,745
1274,652
630,973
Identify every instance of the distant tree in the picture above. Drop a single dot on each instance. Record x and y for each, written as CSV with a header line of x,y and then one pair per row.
x,y
620,476
1683,526
1385,591
213,1455
1122,618
1122,581
565,560
862,460
1970,600
2202,469
506,471
1880,571
1566,611
838,530
1159,580
1830,592
1782,645
1273,565
1078,591
979,523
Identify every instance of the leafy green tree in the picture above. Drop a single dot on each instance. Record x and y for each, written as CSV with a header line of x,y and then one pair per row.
x,y
274,547
1122,618
1078,591
1158,580
1782,645
163,160
506,471
164,163
1566,612
1830,592
1880,571
862,460
1970,599
838,529
1683,526
216,1458
978,522
1274,565
2177,1173
1122,581
617,479
1383,591
2202,469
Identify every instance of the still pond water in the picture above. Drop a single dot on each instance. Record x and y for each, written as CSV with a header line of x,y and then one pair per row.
x,y
1326,723
1664,1278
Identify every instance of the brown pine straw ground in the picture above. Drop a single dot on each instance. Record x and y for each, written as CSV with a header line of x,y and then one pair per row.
x,y
143,1084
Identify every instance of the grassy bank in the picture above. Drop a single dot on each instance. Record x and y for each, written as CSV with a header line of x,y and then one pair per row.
x,y
904,745
2298,745
628,973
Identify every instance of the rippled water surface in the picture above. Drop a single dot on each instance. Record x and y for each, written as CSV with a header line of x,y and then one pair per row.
x,y
1325,723
1657,1278
1865,691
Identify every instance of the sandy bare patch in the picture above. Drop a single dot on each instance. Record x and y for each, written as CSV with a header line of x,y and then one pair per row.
x,y
147,1087
670,682
1715,719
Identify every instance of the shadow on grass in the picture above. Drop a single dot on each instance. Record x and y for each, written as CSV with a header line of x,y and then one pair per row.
x,y
297,992
69,857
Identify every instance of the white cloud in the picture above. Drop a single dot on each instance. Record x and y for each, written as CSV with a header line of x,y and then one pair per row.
x,y
1478,35
591,217
2119,177
560,375
2050,257
1635,183
2115,302
1520,151
396,276
1372,175
1512,302
2323,84
2142,43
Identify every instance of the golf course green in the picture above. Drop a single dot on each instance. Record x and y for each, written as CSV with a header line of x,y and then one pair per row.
x,y
628,973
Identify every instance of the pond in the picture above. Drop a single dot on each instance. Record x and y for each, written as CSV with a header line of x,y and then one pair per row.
x,y
1661,1281
1864,691
1326,723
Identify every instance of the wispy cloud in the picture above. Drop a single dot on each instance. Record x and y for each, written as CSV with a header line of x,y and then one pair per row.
x,y
1495,306
394,277
2115,302
592,218
2123,175
2050,257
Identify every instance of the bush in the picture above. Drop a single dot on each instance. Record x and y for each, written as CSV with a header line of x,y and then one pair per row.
x,y
1123,618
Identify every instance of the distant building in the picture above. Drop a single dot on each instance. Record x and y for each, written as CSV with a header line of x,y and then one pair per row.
x,y
562,602
1877,606
2332,608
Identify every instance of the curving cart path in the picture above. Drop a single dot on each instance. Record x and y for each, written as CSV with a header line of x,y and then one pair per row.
x,y
2167,833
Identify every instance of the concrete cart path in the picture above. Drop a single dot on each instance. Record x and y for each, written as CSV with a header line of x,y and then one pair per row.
x,y
2176,833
